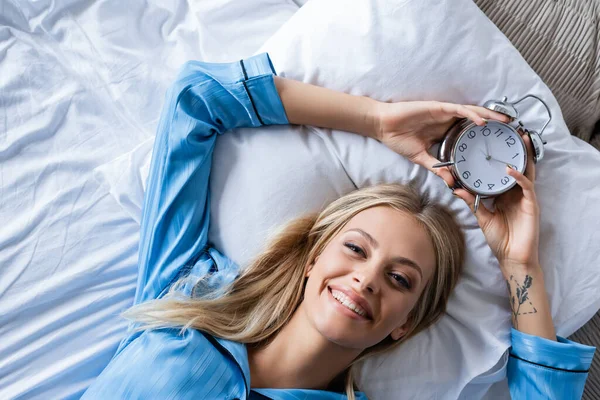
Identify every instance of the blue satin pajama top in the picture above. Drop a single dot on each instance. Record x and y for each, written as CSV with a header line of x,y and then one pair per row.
x,y
207,100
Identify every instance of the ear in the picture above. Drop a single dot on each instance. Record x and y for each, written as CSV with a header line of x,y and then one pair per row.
x,y
400,332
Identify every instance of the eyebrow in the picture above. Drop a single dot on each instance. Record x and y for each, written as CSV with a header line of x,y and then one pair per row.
x,y
399,260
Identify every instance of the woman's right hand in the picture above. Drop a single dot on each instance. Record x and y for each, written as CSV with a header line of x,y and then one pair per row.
x,y
410,128
512,230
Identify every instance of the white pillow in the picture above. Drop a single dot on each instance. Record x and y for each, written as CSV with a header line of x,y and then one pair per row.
x,y
405,50
450,51
259,179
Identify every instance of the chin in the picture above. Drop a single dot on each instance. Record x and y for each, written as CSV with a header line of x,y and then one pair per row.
x,y
341,338
338,328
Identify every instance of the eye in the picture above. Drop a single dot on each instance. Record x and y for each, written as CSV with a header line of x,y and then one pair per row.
x,y
356,249
400,280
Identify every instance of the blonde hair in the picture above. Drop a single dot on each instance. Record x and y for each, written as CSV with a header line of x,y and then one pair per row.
x,y
258,303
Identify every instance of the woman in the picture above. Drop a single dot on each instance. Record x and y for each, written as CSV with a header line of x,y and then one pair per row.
x,y
371,270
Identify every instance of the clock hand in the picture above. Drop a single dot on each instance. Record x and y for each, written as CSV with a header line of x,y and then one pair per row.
x,y
487,157
503,162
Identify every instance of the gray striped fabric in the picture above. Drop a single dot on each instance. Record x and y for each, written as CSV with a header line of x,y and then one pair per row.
x,y
560,39
590,334
596,136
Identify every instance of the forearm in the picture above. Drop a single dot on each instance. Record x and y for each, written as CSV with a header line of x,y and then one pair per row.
x,y
541,365
529,301
307,104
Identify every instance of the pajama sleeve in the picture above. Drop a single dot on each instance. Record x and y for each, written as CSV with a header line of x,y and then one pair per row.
x,y
539,368
206,100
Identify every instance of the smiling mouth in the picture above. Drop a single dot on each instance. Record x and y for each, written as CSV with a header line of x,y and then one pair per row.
x,y
352,309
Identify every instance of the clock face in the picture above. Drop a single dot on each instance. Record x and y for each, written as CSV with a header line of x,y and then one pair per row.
x,y
481,154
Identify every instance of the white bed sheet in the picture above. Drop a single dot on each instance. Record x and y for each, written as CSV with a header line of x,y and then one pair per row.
x,y
82,82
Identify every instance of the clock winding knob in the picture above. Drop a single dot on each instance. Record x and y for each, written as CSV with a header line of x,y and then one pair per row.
x,y
503,107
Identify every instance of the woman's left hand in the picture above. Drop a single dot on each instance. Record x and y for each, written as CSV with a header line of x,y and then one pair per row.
x,y
512,230
411,128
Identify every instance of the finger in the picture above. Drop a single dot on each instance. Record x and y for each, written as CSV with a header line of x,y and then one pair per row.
x,y
428,161
530,169
488,114
460,111
483,215
525,184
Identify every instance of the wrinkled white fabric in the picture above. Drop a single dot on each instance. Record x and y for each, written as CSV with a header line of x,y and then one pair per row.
x,y
398,51
450,51
82,82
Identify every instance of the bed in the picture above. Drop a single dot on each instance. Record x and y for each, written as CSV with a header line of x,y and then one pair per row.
x,y
82,83
555,37
70,71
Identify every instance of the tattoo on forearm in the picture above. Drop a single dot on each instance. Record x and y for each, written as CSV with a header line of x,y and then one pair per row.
x,y
521,298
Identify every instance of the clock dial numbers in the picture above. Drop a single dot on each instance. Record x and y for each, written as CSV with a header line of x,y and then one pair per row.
x,y
482,153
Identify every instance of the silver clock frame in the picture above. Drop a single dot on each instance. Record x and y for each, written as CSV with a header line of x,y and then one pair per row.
x,y
447,150
447,156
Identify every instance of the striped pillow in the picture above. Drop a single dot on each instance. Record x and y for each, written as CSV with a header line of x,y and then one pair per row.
x,y
560,39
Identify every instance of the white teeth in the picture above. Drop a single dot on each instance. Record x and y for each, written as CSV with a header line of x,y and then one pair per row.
x,y
345,301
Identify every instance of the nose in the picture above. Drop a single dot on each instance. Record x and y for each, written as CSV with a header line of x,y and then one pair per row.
x,y
365,278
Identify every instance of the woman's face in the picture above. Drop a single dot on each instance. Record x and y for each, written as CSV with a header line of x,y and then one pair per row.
x,y
378,264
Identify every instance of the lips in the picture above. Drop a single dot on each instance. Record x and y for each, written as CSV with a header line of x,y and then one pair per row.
x,y
354,297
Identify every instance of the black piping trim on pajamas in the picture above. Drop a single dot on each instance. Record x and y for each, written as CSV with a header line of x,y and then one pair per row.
x,y
258,396
218,346
244,70
249,95
578,371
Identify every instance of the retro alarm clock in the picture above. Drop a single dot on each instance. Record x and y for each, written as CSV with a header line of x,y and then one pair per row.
x,y
478,156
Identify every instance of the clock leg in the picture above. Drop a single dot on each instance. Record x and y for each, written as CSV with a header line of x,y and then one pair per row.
x,y
443,164
476,206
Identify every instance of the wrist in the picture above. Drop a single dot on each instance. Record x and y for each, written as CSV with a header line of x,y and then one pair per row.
x,y
520,269
376,116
